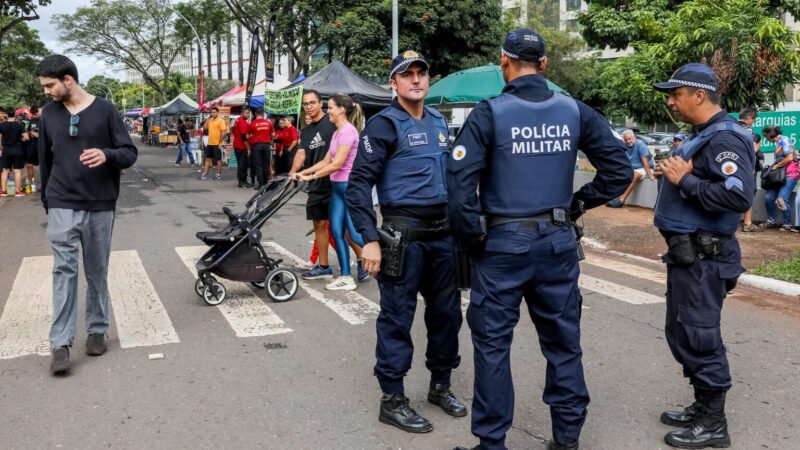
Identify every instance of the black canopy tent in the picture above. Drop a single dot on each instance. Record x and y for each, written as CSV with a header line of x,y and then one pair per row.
x,y
336,78
178,106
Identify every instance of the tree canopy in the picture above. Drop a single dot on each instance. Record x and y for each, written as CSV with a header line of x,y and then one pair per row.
x,y
22,51
754,54
136,36
13,12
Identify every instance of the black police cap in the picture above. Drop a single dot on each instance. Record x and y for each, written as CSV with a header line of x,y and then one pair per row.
x,y
694,75
524,44
403,61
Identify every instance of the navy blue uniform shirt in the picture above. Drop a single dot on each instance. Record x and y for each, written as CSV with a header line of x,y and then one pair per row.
x,y
707,184
376,144
606,153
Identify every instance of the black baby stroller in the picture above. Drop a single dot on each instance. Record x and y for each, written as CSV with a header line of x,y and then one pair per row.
x,y
236,252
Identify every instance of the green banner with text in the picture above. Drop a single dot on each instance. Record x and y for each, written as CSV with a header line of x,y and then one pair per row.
x,y
789,121
284,102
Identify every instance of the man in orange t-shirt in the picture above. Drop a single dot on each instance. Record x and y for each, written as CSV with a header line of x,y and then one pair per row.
x,y
216,128
260,144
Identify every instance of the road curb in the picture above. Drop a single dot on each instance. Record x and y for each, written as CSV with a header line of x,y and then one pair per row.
x,y
755,281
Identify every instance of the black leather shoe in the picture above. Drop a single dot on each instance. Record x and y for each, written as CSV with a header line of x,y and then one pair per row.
x,y
395,411
682,418
60,362
702,433
96,344
553,445
442,396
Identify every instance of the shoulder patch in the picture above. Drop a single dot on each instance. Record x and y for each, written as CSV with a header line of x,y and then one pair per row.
x,y
727,155
459,152
729,168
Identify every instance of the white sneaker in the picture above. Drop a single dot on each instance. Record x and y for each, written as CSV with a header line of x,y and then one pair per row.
x,y
341,284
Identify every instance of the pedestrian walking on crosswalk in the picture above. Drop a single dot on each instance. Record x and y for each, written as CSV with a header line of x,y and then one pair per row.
x,y
83,146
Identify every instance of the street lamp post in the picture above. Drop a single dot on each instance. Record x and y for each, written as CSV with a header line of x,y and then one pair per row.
x,y
395,20
199,48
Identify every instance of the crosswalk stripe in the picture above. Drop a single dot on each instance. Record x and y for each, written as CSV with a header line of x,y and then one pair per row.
x,y
618,291
246,313
139,315
25,323
628,269
351,306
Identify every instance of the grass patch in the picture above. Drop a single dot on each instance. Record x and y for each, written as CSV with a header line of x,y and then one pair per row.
x,y
787,270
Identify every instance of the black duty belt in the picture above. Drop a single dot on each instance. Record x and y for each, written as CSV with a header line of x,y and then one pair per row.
x,y
418,229
558,217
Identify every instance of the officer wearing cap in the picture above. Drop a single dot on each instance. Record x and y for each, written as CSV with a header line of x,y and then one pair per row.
x,y
513,162
708,186
403,152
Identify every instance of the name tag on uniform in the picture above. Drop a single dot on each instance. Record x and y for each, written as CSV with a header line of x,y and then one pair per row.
x,y
417,139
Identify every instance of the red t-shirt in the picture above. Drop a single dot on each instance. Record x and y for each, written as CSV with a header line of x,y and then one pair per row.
x,y
284,138
261,129
240,127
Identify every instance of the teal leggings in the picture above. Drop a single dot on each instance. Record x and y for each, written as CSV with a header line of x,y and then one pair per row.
x,y
341,222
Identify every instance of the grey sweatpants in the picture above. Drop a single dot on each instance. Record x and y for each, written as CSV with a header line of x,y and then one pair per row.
x,y
67,230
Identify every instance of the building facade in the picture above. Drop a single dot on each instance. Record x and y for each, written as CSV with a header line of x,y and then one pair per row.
x,y
225,57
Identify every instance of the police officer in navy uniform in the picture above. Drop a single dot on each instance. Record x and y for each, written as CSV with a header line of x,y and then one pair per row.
x,y
403,152
708,186
520,149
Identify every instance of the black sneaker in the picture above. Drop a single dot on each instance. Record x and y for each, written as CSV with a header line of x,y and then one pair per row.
x,y
96,344
60,362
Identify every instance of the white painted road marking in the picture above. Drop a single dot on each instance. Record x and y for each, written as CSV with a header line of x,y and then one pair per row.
x,y
246,313
25,323
618,291
629,269
351,306
139,315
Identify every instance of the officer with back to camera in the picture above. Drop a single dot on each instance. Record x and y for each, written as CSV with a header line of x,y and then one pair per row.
x,y
708,185
520,149
403,152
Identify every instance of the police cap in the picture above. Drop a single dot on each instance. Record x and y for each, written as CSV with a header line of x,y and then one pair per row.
x,y
524,44
403,61
694,75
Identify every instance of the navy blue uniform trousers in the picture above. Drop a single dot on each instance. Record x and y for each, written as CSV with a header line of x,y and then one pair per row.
x,y
695,294
428,269
540,265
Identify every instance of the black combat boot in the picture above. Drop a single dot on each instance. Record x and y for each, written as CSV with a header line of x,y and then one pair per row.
x,y
685,417
395,411
440,394
709,429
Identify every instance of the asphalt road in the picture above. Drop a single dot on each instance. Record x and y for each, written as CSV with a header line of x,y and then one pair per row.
x,y
298,375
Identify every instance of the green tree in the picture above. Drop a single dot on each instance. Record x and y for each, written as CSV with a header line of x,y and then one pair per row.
x,y
571,64
754,54
210,18
21,53
138,36
13,12
452,34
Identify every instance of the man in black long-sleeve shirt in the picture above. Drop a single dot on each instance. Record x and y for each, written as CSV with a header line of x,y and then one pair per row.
x,y
83,147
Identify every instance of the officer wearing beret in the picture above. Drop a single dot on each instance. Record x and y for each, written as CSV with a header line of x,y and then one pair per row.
x,y
403,151
518,151
709,184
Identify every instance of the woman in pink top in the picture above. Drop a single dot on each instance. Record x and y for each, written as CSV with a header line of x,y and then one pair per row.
x,y
343,113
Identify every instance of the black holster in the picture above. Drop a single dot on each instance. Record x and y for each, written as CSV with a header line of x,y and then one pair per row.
x,y
393,249
681,249
463,269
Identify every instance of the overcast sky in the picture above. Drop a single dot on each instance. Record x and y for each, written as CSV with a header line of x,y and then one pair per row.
x,y
87,66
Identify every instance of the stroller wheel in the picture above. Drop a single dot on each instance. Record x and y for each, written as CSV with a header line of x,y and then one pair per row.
x,y
281,284
215,294
258,284
199,287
